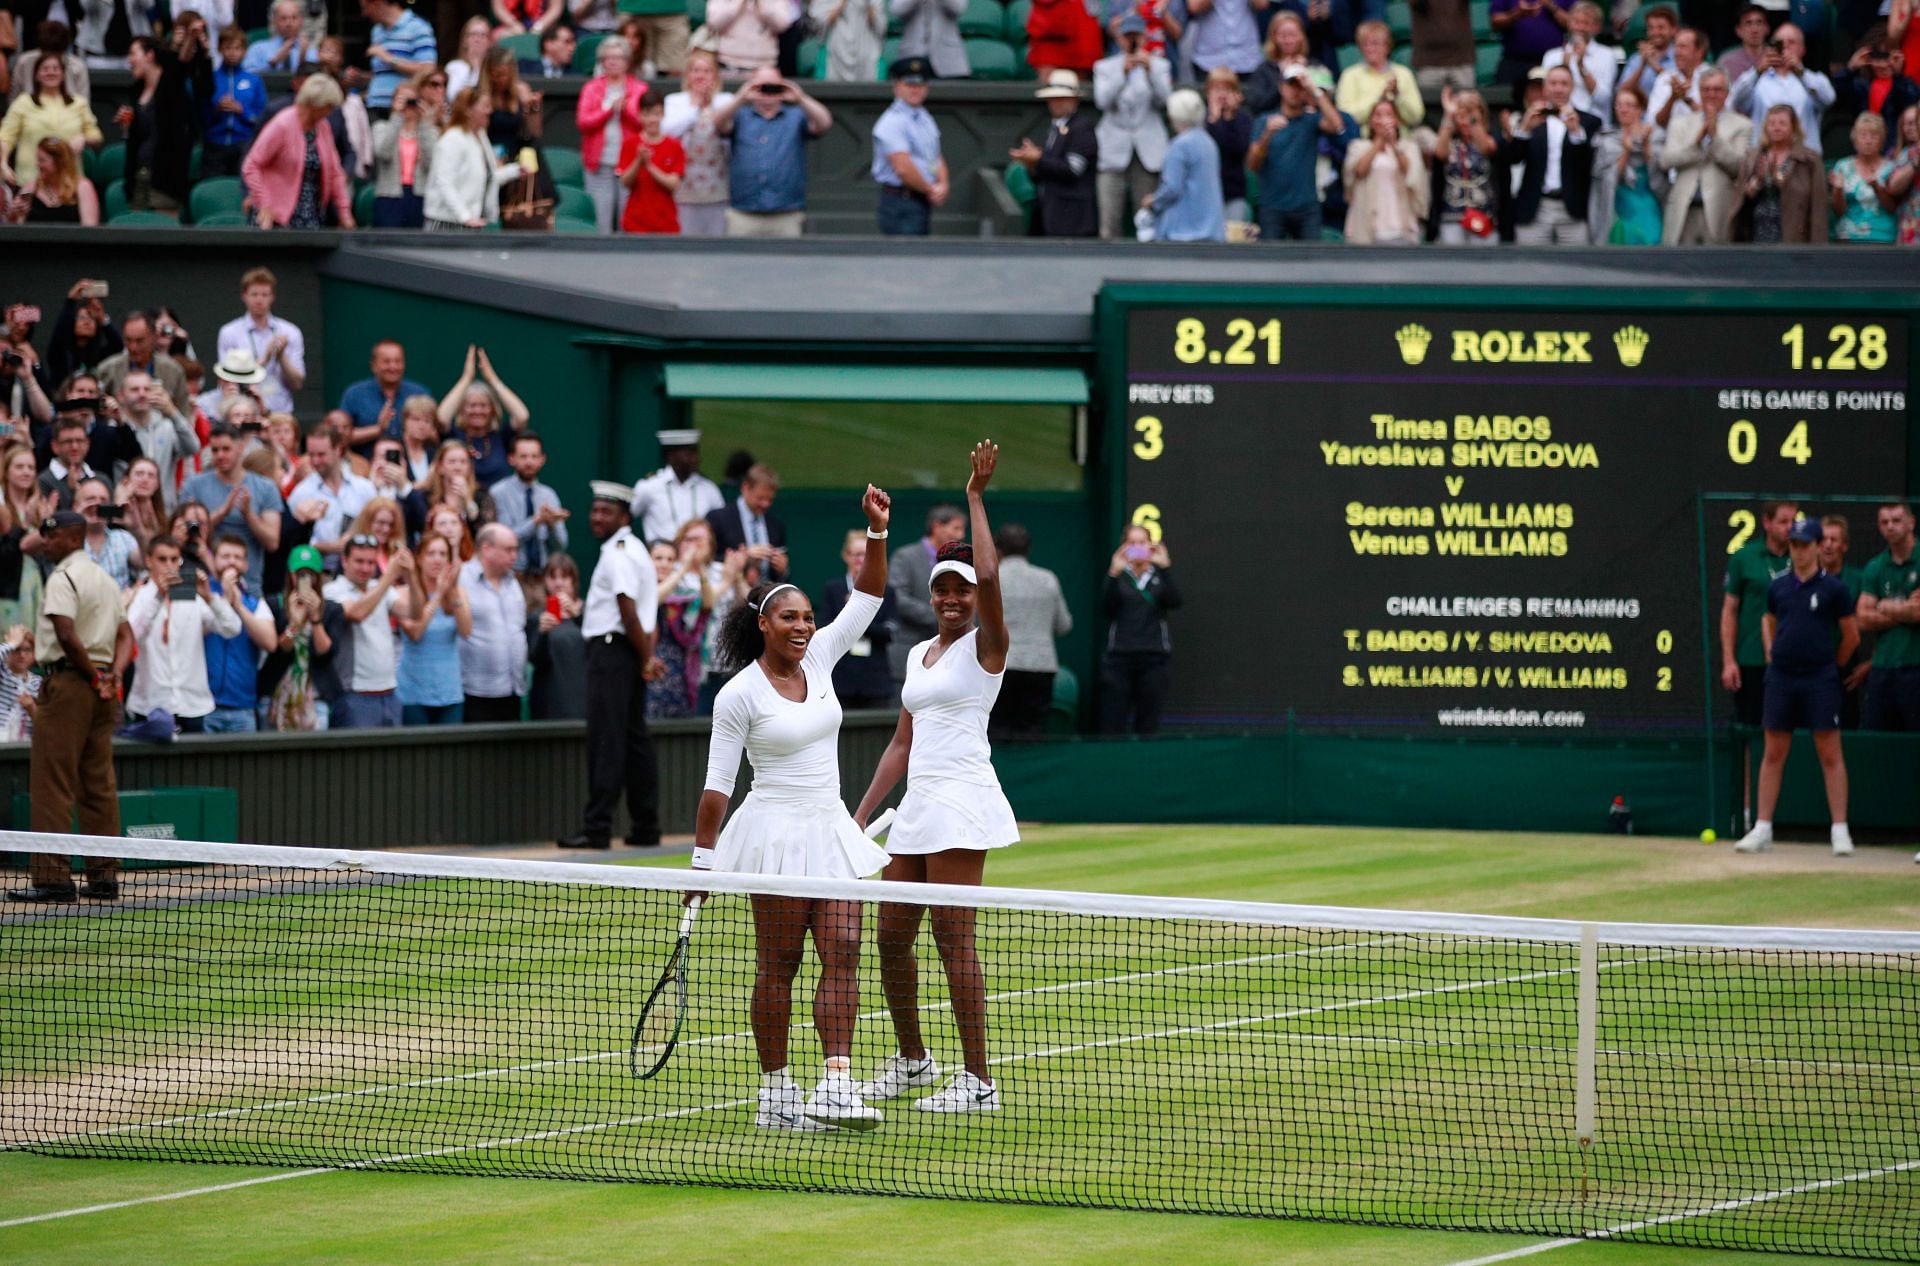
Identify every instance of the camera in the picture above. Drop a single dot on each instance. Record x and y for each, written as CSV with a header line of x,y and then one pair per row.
x,y
12,360
770,90
110,513
1776,46
193,533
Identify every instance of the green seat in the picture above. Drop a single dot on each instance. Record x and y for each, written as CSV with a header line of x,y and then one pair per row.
x,y
567,224
113,202
811,59
696,14
586,53
889,54
1403,54
983,20
1253,196
524,46
1486,63
209,197
573,203
1015,30
565,167
233,220
1347,55
1019,183
1063,710
258,33
109,162
1482,20
144,219
193,164
992,59
362,206
1636,29
1400,20
1330,234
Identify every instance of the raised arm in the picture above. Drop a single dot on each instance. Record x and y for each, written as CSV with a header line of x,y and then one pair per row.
x,y
873,572
449,407
517,411
991,643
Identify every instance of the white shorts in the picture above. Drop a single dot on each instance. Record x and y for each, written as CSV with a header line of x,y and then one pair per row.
x,y
771,836
935,816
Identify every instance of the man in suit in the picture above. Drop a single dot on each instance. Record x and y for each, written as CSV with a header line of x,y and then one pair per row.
x,y
749,522
556,55
1064,170
864,676
1553,143
907,575
1706,150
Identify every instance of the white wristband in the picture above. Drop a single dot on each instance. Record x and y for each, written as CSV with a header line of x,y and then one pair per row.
x,y
877,536
703,859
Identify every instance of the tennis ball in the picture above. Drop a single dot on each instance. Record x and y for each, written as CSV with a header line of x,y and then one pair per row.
x,y
1707,836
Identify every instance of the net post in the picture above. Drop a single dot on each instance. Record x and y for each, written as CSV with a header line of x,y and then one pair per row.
x,y
1585,1095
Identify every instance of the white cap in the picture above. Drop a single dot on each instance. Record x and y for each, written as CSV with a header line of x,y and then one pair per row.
x,y
607,490
956,567
685,438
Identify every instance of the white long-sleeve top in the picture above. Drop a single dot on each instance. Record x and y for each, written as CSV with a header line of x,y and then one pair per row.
x,y
465,182
794,748
173,654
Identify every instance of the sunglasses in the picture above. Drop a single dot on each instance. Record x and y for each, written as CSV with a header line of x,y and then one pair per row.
x,y
436,83
367,542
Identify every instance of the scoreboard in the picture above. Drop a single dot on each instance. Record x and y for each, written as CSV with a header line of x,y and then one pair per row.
x,y
1428,519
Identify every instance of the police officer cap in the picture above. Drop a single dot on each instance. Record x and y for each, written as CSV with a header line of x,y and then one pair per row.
x,y
1807,530
685,437
62,519
910,70
607,490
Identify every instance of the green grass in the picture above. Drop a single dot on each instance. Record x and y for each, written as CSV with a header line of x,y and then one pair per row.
x,y
1366,1059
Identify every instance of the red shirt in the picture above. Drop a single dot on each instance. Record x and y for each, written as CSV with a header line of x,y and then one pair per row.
x,y
1877,91
650,208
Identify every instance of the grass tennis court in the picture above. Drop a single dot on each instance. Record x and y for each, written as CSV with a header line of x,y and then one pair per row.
x,y
383,1217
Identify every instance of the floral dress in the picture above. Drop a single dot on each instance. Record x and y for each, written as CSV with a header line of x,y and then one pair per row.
x,y
681,647
306,207
1864,219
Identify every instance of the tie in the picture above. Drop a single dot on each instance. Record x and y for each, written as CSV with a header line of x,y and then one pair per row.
x,y
535,550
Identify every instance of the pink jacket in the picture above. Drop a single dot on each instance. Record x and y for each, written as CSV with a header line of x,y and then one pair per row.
x,y
593,114
272,169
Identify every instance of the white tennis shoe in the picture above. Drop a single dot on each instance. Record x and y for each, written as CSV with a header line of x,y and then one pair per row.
x,y
963,1093
1842,841
1758,840
835,1102
784,1108
899,1075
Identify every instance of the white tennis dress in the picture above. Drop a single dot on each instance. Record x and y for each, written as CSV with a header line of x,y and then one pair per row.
x,y
953,797
793,821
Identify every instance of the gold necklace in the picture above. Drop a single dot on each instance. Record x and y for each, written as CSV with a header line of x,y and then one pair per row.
x,y
779,676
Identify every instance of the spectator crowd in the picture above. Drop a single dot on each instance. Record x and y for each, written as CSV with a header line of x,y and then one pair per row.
x,y
1543,122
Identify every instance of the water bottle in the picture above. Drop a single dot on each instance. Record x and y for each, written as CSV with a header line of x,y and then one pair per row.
x,y
1620,817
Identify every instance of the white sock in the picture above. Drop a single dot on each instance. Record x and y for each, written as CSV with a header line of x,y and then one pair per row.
x,y
839,1066
1838,827
778,1079
1764,824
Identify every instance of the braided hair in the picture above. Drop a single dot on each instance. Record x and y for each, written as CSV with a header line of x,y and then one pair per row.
x,y
955,552
740,640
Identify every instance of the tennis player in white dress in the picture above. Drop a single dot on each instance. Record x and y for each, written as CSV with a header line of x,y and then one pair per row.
x,y
780,710
952,814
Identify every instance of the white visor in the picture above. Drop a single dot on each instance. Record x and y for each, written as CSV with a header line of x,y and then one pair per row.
x,y
957,568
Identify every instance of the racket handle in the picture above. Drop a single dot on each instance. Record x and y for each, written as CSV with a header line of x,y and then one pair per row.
x,y
687,915
879,824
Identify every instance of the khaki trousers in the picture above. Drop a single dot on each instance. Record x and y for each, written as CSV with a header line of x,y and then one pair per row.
x,y
72,765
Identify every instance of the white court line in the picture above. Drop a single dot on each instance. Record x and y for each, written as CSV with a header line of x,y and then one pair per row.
x,y
1722,1206
715,1040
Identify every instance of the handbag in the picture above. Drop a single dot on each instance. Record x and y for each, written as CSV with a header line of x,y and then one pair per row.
x,y
521,206
1476,222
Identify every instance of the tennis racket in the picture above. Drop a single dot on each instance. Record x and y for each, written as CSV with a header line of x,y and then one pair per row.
x,y
657,1031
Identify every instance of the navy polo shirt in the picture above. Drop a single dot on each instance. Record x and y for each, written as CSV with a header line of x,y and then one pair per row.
x,y
769,168
1288,183
1807,615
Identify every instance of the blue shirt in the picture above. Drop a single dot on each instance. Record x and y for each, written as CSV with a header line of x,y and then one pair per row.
x,y
1807,615
1189,204
261,53
1288,182
244,87
211,491
909,130
233,663
429,672
768,173
363,400
409,39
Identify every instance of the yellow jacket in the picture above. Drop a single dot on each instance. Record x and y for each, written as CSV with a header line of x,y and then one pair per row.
x,y
1361,86
29,121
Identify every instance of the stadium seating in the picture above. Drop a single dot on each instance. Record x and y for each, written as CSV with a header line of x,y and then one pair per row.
x,y
1064,708
889,53
259,33
983,20
1486,63
525,45
811,59
1481,18
144,219
586,51
992,59
565,167
234,220
108,162
209,197
1015,31
362,206
568,224
113,200
1400,19
696,13
573,204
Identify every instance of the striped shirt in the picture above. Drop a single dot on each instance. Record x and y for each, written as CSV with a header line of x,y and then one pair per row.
x,y
410,39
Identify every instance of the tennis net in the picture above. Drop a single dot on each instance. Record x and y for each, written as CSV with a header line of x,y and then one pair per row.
x,y
1733,1087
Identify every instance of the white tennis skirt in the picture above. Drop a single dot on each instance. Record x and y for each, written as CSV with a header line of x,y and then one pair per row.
x,y
780,836
936,815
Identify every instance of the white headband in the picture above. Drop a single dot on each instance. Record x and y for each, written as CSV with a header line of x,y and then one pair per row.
x,y
769,596
956,567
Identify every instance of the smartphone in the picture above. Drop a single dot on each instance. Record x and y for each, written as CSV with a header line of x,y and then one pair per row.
x,y
1136,553
95,290
553,606
25,313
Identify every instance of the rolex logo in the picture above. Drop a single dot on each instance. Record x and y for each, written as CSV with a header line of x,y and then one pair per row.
x,y
1413,340
1631,342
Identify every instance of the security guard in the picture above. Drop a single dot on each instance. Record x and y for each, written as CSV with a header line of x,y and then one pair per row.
x,y
665,500
907,164
618,625
83,644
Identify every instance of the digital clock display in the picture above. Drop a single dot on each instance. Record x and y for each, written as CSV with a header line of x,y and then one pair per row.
x,y
1467,519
